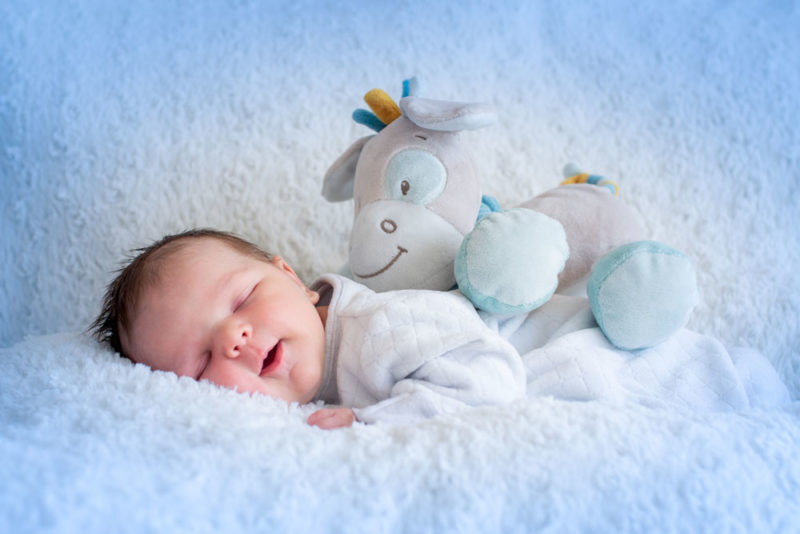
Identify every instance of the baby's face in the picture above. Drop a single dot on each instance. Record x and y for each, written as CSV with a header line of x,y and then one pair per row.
x,y
237,321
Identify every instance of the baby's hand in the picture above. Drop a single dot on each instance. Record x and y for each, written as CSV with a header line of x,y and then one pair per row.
x,y
330,418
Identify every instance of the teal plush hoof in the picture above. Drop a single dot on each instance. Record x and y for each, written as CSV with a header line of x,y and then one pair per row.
x,y
641,293
509,263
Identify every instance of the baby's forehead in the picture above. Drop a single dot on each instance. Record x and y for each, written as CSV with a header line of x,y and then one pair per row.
x,y
184,275
192,249
202,260
199,245
197,255
172,270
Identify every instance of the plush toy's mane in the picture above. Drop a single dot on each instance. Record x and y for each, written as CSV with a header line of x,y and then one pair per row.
x,y
384,109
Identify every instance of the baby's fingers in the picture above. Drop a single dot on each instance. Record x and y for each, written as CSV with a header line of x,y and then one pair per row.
x,y
330,418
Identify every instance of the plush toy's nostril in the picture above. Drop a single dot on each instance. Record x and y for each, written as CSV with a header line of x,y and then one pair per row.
x,y
388,226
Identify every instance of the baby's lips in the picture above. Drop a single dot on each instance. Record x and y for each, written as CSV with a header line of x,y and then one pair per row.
x,y
272,359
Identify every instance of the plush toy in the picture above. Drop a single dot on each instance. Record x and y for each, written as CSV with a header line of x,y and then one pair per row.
x,y
421,222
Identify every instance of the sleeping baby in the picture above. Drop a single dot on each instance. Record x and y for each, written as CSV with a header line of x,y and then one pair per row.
x,y
211,306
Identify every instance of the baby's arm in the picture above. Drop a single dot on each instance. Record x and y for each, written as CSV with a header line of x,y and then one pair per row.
x,y
474,374
471,375
418,354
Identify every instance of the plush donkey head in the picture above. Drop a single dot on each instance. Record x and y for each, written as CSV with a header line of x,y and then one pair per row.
x,y
415,189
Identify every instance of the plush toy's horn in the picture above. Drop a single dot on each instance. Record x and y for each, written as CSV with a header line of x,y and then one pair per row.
x,y
574,175
382,105
384,109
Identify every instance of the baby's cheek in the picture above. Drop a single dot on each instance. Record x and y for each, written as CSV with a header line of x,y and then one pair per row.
x,y
307,380
227,378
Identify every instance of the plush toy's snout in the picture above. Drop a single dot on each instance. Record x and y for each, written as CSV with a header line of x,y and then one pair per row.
x,y
398,245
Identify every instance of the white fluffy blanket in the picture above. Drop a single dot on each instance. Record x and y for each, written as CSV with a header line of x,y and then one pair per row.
x,y
122,121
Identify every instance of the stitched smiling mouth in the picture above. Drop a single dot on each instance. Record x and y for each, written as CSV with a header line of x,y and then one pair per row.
x,y
400,252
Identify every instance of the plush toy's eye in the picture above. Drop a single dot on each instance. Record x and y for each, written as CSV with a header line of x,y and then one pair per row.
x,y
415,176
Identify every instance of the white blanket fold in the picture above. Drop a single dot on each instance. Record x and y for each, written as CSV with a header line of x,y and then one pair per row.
x,y
687,371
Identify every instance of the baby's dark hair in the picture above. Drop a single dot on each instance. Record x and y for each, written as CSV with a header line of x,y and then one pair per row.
x,y
144,269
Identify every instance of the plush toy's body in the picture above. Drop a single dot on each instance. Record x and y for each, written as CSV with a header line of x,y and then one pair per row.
x,y
420,222
595,222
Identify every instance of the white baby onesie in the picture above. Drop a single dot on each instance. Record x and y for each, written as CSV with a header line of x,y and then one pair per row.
x,y
405,355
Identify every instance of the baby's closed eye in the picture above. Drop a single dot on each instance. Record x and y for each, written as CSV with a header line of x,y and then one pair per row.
x,y
242,298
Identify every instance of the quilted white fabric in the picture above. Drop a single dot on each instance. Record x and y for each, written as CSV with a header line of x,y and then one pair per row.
x,y
405,355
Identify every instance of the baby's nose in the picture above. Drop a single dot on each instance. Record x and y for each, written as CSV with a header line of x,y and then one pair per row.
x,y
234,338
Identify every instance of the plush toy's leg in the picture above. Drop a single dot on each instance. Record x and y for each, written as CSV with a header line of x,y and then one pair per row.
x,y
641,293
509,263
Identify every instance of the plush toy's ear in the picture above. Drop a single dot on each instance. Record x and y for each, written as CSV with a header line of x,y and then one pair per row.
x,y
337,185
447,116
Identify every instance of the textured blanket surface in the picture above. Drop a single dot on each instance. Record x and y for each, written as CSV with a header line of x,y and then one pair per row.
x,y
97,445
123,121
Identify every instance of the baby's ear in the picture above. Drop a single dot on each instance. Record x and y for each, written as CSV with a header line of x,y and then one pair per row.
x,y
313,296
281,264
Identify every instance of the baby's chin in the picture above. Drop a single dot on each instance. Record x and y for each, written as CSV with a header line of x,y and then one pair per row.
x,y
307,382
289,397
300,392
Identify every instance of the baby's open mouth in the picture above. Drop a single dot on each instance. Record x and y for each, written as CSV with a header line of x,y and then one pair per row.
x,y
273,359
